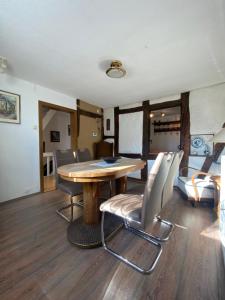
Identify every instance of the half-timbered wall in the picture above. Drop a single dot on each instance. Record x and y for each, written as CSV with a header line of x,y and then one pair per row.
x,y
207,115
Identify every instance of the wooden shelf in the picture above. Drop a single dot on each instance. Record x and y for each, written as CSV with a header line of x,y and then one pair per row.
x,y
159,123
166,129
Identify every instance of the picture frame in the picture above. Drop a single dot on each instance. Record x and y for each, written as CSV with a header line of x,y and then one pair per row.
x,y
9,107
201,145
55,136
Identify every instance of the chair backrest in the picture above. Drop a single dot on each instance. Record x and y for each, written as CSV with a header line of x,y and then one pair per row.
x,y
168,187
154,187
103,149
83,155
61,158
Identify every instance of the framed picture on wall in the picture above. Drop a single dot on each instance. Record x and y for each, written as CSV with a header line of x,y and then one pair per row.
x,y
9,107
55,136
201,145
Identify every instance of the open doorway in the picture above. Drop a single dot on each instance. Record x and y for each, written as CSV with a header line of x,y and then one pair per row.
x,y
165,126
57,131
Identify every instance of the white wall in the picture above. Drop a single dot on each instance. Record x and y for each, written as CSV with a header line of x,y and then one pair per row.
x,y
130,126
59,122
19,159
207,109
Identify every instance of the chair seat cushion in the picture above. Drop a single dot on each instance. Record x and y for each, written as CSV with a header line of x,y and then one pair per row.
x,y
204,187
127,206
71,188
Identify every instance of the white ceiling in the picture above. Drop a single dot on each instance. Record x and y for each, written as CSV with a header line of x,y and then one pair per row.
x,y
166,46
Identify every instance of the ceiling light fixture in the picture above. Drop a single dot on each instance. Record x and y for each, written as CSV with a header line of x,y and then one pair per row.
x,y
163,114
116,70
3,64
151,115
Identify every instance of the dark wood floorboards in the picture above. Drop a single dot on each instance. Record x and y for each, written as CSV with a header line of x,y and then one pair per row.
x,y
37,261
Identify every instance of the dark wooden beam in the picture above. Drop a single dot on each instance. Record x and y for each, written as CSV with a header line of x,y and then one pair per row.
x,y
78,117
116,130
167,104
185,132
130,110
89,114
108,137
145,138
131,155
218,148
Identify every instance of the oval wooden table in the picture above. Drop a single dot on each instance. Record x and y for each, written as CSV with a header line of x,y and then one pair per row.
x,y
91,174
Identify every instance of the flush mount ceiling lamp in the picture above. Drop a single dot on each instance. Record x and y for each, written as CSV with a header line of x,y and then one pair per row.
x,y
3,64
116,70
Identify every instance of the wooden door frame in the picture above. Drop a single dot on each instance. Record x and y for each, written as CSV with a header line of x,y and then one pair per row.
x,y
73,132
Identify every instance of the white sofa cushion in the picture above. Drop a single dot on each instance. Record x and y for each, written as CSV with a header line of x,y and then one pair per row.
x,y
204,187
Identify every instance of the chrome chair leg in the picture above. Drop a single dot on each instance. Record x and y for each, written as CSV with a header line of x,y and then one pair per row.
x,y
155,237
125,260
71,205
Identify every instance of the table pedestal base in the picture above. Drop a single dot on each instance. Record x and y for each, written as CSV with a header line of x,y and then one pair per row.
x,y
89,236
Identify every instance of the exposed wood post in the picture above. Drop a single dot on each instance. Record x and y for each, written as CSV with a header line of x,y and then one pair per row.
x,y
116,130
41,105
185,132
73,128
218,148
102,124
78,117
145,138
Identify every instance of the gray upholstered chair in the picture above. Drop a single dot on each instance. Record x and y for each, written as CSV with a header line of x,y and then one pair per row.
x,y
65,157
83,155
173,172
138,211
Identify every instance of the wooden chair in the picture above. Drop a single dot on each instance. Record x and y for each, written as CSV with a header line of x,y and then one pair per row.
x,y
83,155
65,157
103,149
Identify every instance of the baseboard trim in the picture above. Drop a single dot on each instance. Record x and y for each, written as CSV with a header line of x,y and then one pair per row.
x,y
19,198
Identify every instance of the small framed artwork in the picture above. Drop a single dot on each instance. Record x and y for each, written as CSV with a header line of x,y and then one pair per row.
x,y
55,136
9,107
201,145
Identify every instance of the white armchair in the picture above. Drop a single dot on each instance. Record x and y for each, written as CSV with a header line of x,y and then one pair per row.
x,y
198,189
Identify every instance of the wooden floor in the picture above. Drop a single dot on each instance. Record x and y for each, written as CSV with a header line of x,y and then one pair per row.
x,y
37,261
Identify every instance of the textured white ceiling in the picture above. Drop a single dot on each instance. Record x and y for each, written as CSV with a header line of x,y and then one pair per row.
x,y
166,46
